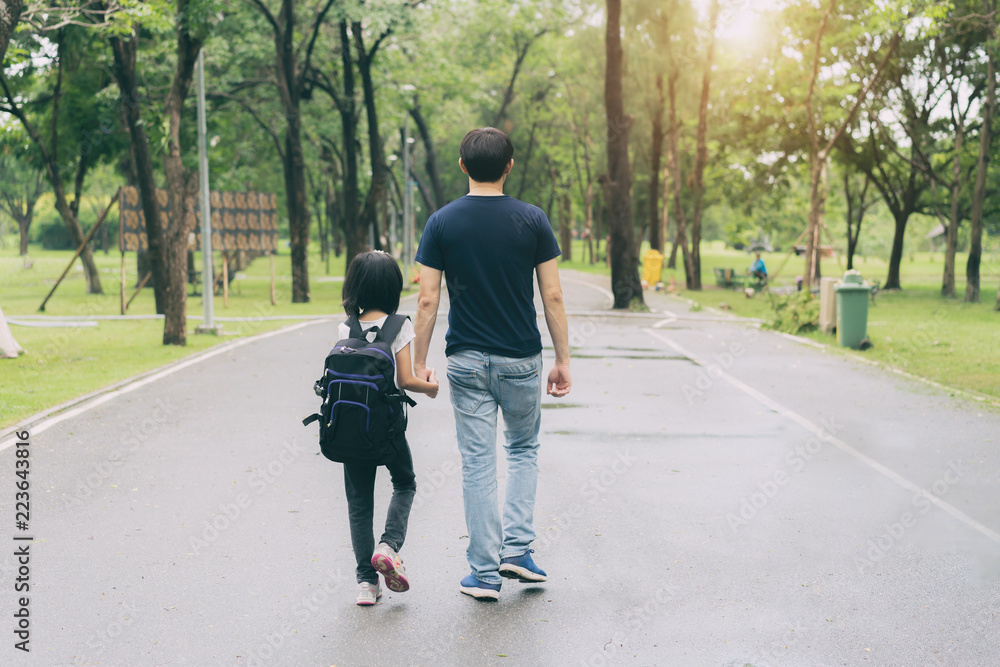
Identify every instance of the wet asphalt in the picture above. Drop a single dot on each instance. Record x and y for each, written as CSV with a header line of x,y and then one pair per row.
x,y
709,494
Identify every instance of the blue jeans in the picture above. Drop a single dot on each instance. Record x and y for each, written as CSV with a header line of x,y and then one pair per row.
x,y
480,383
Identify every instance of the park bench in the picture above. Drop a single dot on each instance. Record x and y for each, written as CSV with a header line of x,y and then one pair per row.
x,y
727,278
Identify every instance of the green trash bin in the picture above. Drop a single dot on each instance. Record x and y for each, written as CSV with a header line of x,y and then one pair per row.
x,y
852,310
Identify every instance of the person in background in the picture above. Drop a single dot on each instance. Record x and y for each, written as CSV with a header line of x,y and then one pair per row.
x,y
758,270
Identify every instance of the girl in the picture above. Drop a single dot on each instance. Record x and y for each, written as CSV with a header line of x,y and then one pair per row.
x,y
371,292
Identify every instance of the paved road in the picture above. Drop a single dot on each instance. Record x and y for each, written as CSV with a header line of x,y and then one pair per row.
x,y
709,495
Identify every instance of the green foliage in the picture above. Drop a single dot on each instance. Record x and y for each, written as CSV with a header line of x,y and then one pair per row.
x,y
793,314
456,60
155,16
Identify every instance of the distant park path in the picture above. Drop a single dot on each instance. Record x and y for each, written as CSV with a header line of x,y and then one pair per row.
x,y
709,494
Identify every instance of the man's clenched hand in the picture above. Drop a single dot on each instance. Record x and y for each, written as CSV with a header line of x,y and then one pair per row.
x,y
560,381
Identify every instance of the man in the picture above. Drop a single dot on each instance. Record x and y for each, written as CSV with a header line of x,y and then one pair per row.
x,y
489,246
758,270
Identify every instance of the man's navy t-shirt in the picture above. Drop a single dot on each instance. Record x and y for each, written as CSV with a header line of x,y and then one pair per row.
x,y
488,248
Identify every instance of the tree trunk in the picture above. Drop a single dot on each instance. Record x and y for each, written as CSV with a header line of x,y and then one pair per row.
x,y
523,168
820,226
296,203
982,166
951,234
665,215
701,156
380,175
566,227
332,223
23,225
816,199
588,219
430,161
855,216
599,225
849,201
355,232
624,257
297,208
10,14
124,50
680,236
182,187
655,239
319,209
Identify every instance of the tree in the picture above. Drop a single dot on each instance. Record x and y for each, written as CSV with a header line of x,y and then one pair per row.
x,y
624,256
677,182
49,152
291,80
125,49
821,143
701,155
955,59
20,189
182,183
983,162
344,99
378,190
167,247
430,159
656,154
858,203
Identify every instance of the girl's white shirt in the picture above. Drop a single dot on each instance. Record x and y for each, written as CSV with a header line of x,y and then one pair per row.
x,y
406,334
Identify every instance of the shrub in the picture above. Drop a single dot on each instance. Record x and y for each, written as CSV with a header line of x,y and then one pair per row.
x,y
793,314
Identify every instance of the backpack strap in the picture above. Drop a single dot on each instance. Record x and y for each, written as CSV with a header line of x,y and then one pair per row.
x,y
355,326
391,328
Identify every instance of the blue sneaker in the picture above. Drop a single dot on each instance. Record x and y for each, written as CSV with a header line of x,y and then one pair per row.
x,y
480,590
522,568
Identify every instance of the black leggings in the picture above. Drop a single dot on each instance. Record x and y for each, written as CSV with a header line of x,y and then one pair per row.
x,y
359,483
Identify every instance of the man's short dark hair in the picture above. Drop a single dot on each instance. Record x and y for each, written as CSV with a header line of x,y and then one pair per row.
x,y
373,282
485,153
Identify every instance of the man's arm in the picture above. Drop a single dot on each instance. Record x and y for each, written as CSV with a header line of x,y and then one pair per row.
x,y
427,308
560,380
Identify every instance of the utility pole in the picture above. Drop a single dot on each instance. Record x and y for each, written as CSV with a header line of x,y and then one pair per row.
x,y
207,279
407,205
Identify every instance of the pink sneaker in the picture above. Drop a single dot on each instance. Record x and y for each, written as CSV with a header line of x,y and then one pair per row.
x,y
388,562
368,594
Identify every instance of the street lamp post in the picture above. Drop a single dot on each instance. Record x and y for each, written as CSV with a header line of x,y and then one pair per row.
x,y
207,279
407,205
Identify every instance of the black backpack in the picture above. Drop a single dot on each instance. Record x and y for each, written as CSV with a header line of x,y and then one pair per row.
x,y
363,416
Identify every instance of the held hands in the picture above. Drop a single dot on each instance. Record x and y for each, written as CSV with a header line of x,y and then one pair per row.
x,y
560,381
429,376
432,379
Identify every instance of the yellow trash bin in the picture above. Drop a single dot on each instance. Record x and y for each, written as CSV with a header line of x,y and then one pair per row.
x,y
652,264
